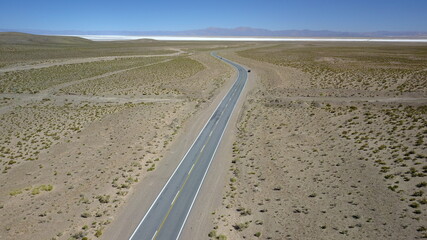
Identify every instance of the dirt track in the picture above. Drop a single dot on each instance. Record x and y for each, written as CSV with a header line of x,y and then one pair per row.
x,y
82,60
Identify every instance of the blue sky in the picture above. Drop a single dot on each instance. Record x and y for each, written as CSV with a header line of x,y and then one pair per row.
x,y
142,15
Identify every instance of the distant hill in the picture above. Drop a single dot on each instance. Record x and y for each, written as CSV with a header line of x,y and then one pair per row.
x,y
243,32
259,32
247,31
25,38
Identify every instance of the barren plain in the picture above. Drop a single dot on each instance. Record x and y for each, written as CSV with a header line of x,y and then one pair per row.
x,y
330,141
83,122
331,144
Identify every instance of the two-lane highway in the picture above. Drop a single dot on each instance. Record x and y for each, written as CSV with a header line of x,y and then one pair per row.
x,y
167,215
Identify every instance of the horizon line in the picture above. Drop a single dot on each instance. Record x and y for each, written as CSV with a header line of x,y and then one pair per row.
x,y
29,30
243,38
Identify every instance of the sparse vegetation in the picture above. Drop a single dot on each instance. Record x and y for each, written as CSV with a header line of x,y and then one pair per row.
x,y
41,188
330,129
98,233
84,130
104,198
148,80
36,80
358,67
317,139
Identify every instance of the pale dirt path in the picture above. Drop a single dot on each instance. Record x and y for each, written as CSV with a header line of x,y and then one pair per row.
x,y
24,99
56,88
83,60
357,99
422,70
21,99
95,99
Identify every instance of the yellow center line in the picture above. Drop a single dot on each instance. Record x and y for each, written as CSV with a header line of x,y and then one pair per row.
x,y
175,198
194,164
185,182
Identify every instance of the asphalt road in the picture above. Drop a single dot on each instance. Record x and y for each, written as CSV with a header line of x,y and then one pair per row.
x,y
166,217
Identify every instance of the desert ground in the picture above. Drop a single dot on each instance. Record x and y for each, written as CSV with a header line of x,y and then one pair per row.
x,y
329,141
331,144
82,123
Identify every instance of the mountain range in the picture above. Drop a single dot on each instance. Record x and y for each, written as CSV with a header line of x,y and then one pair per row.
x,y
237,32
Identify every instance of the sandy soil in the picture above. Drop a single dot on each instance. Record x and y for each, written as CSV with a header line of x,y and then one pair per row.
x,y
141,199
55,93
69,162
314,163
210,197
320,149
82,60
103,160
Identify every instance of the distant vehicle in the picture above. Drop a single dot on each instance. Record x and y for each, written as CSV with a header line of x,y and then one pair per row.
x,y
249,70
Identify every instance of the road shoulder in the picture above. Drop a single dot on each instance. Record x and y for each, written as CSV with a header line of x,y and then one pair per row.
x,y
131,212
199,222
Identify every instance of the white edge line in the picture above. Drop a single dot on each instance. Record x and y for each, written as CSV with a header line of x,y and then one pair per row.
x,y
136,229
203,179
